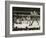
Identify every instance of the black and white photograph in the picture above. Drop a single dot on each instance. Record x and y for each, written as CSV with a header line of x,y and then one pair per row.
x,y
24,18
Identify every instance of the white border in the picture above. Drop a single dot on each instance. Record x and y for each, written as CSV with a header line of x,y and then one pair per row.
x,y
32,6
